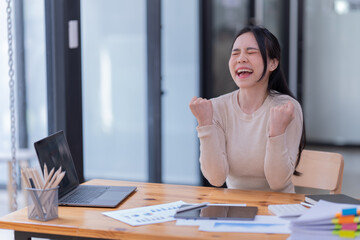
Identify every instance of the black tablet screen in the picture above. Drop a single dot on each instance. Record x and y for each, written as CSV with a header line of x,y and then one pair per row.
x,y
220,212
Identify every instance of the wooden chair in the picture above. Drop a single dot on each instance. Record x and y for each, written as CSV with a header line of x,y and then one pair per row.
x,y
320,170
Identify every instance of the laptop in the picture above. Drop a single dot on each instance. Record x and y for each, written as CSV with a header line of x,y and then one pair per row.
x,y
54,151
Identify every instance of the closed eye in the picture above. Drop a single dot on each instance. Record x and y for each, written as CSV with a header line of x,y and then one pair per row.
x,y
252,50
235,52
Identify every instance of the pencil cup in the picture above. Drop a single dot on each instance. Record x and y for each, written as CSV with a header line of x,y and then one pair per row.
x,y
42,203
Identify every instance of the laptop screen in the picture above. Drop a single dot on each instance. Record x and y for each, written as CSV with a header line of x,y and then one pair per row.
x,y
54,151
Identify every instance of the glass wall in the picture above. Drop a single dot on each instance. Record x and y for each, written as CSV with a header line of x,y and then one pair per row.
x,y
229,17
273,18
114,89
35,70
180,82
5,144
331,84
34,76
4,83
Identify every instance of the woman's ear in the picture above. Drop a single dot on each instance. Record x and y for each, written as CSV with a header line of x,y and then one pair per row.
x,y
273,64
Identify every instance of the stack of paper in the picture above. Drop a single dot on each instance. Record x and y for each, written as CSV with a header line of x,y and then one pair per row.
x,y
326,220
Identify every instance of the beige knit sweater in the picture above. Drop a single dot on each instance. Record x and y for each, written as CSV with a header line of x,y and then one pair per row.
x,y
237,148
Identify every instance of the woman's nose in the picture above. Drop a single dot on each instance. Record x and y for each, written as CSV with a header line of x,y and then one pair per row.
x,y
242,58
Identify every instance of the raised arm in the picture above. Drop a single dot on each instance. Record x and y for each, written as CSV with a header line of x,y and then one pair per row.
x,y
285,129
213,159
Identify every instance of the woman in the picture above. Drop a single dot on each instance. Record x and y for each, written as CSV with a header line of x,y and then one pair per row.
x,y
251,138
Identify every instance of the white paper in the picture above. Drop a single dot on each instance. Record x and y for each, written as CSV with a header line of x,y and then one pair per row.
x,y
261,224
146,215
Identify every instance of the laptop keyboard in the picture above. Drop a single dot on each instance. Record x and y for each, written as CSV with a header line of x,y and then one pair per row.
x,y
84,194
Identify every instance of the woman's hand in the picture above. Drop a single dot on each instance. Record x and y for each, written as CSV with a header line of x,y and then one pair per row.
x,y
280,118
202,110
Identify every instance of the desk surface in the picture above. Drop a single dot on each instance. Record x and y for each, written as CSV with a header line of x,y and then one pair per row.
x,y
90,222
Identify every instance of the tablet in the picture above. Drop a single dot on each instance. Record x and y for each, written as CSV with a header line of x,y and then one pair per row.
x,y
220,213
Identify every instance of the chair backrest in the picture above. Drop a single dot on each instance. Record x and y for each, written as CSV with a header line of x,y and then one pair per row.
x,y
320,170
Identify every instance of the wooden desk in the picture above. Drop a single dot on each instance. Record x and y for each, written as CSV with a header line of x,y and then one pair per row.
x,y
87,223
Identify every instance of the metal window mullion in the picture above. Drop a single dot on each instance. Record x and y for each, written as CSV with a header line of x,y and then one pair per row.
x,y
293,47
300,48
285,57
206,56
153,27
64,77
20,74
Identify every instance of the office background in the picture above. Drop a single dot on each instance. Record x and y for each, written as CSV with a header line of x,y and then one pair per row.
x,y
122,94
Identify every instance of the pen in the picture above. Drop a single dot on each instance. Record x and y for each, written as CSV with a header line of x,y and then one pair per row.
x,y
306,204
191,207
33,177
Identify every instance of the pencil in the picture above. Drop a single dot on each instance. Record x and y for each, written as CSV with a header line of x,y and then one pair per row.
x,y
47,181
26,179
58,179
46,173
39,179
52,180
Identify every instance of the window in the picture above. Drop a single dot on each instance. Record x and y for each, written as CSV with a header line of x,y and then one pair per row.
x,y
30,72
330,79
114,89
180,82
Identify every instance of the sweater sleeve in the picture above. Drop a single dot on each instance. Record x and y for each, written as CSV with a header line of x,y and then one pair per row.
x,y
281,153
213,160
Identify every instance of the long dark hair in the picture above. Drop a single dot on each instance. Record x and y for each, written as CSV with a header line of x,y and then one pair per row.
x,y
269,46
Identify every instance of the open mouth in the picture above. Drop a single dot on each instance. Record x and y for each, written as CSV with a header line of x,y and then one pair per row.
x,y
244,72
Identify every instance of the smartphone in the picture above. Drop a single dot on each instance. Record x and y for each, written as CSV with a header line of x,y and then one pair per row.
x,y
220,213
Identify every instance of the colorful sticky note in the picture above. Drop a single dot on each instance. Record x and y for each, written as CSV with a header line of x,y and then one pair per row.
x,y
345,219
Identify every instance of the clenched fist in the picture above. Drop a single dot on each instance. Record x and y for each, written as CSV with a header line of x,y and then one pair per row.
x,y
202,110
280,118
